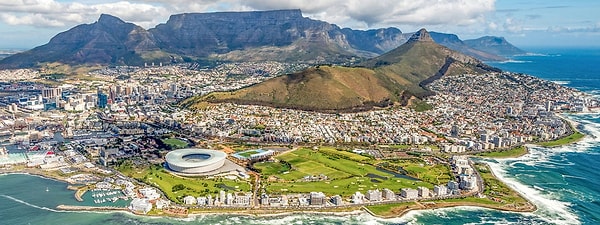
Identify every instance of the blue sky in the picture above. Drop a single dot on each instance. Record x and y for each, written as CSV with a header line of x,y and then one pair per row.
x,y
28,23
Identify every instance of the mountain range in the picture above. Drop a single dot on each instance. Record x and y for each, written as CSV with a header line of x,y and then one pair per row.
x,y
398,77
278,35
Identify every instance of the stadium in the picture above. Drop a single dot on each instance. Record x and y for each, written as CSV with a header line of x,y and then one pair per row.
x,y
195,161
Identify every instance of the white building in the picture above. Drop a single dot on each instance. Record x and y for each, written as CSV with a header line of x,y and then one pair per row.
x,y
374,195
189,200
149,193
317,198
423,192
140,205
389,194
161,204
409,193
440,190
358,198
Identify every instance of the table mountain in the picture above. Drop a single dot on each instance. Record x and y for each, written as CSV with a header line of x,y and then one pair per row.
x,y
279,35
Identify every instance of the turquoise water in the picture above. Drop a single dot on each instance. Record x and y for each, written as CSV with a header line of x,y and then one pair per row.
x,y
563,182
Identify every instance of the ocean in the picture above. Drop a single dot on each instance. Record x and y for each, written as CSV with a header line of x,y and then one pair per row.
x,y
563,182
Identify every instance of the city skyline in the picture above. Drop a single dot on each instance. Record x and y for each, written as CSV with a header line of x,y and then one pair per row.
x,y
26,24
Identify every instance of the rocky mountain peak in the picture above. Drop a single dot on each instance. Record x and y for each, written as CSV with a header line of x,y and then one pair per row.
x,y
109,19
421,35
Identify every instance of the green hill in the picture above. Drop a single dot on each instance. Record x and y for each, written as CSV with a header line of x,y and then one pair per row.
x,y
395,77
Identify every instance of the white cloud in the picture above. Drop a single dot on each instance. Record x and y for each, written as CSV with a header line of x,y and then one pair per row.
x,y
386,12
350,13
31,19
512,25
43,13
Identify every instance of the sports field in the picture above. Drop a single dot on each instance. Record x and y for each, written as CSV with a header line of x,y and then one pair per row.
x,y
175,143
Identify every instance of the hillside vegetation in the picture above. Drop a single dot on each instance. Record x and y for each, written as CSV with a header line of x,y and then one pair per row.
x,y
392,78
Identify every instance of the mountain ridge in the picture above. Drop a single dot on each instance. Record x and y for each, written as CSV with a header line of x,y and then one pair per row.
x,y
394,78
278,35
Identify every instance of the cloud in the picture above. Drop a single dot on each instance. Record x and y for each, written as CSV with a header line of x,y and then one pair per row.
x,y
351,13
51,13
512,25
593,28
387,12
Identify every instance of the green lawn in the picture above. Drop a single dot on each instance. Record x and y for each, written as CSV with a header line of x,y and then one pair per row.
x,y
345,175
160,178
576,136
345,154
434,174
511,153
392,209
271,168
248,153
175,143
343,187
496,189
474,200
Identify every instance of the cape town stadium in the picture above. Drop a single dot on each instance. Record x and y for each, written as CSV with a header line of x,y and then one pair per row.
x,y
194,160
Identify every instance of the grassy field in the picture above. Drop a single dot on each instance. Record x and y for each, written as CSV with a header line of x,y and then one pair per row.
x,y
393,209
160,178
344,154
496,190
430,173
248,153
345,176
271,168
511,153
175,143
576,136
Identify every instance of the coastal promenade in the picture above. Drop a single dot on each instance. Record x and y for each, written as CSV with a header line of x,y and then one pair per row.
x,y
91,208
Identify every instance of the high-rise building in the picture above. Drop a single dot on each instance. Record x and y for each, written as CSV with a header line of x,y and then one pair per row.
x,y
440,190
51,92
423,192
498,142
102,100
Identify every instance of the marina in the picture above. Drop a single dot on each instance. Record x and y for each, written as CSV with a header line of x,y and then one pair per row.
x,y
100,196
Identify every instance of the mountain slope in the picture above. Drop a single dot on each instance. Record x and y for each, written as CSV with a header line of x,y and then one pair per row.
x,y
393,77
109,40
453,42
494,45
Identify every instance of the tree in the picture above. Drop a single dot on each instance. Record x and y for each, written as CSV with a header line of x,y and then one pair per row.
x,y
178,187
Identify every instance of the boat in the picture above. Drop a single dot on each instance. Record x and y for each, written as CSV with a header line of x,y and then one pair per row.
x,y
47,189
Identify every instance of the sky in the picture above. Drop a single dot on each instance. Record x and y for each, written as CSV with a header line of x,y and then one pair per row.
x,y
25,24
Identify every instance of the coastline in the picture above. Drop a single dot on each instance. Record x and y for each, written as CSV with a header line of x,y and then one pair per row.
x,y
263,212
418,206
574,137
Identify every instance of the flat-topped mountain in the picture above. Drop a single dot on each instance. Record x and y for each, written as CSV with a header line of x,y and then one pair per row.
x,y
278,35
395,77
